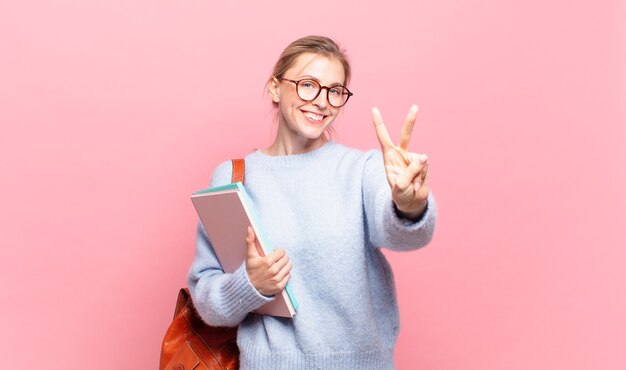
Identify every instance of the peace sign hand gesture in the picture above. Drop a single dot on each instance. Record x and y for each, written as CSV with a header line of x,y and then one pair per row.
x,y
406,171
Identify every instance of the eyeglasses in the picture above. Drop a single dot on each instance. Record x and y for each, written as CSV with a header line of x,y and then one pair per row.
x,y
309,90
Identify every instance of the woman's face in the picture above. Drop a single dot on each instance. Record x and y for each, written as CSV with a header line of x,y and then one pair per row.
x,y
307,119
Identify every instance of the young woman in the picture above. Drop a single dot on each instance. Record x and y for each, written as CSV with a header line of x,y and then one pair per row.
x,y
329,209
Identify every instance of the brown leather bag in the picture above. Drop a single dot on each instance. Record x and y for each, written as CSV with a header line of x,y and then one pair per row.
x,y
189,343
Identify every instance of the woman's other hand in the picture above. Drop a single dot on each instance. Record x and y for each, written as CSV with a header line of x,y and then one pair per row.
x,y
268,274
406,171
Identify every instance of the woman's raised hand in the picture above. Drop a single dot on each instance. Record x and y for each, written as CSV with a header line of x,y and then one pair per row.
x,y
268,274
406,171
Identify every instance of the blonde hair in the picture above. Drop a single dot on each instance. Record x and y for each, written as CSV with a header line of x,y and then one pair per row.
x,y
320,45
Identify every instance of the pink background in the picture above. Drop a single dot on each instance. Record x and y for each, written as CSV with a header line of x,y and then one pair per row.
x,y
113,112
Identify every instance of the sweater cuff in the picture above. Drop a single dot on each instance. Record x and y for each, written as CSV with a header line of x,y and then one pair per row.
x,y
240,296
404,234
392,217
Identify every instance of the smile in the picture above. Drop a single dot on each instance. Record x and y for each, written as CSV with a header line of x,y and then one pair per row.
x,y
313,116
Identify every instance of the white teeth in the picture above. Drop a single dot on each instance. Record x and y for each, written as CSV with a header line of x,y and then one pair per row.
x,y
313,116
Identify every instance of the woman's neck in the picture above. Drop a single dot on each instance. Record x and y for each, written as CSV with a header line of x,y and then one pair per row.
x,y
300,145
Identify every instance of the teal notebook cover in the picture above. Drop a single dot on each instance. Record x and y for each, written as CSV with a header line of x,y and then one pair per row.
x,y
239,187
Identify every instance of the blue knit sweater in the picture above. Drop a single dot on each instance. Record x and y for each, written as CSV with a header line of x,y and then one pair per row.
x,y
331,210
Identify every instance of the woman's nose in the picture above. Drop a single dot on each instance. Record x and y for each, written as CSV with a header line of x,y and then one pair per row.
x,y
322,98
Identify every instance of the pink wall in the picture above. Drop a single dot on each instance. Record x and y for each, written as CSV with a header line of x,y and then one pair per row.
x,y
112,113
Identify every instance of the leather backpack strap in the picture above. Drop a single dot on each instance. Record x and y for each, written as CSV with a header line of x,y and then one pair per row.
x,y
183,297
239,169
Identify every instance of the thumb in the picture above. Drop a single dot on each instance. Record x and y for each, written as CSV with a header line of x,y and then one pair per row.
x,y
251,243
406,178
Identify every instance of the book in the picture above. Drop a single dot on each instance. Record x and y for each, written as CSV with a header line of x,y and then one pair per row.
x,y
226,212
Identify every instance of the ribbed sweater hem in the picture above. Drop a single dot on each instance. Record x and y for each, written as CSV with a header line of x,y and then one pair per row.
x,y
252,358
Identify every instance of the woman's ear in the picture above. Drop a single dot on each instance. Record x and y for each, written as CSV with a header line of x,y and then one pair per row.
x,y
274,90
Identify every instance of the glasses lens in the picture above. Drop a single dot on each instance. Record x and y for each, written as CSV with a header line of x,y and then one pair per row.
x,y
308,89
337,96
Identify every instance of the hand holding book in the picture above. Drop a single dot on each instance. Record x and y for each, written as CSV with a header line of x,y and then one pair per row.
x,y
228,216
268,274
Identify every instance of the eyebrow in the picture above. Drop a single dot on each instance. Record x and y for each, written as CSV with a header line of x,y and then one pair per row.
x,y
309,77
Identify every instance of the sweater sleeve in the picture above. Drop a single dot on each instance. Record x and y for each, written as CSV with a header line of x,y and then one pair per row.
x,y
221,299
385,227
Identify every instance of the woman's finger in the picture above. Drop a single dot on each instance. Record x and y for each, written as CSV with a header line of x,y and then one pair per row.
x,y
381,131
284,271
405,179
278,264
284,282
422,192
407,128
275,256
424,173
408,176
